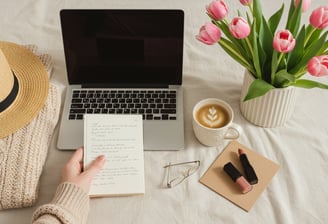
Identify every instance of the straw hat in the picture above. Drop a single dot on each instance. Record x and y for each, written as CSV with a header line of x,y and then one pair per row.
x,y
24,87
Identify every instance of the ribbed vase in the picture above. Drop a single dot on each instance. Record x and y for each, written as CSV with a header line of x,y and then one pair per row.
x,y
270,110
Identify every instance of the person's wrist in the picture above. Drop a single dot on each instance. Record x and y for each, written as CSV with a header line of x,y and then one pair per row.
x,y
74,199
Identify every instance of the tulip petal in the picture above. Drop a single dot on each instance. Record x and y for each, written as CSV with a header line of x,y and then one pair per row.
x,y
319,17
209,34
283,41
318,66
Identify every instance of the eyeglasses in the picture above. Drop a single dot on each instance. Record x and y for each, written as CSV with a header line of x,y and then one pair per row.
x,y
192,168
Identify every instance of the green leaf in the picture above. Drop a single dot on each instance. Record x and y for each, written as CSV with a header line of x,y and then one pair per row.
x,y
283,79
296,54
266,37
255,52
324,48
274,65
257,13
275,19
257,88
237,43
263,62
295,19
308,84
248,18
265,49
290,13
231,49
312,51
247,50
312,35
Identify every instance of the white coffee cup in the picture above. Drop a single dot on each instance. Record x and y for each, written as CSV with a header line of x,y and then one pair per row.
x,y
213,122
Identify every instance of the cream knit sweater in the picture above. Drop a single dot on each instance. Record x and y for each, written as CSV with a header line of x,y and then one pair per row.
x,y
22,157
69,206
23,153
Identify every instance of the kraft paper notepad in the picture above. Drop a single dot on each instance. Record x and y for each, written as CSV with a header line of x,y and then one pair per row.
x,y
120,139
217,180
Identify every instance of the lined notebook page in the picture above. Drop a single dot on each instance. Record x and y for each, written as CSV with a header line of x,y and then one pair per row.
x,y
120,139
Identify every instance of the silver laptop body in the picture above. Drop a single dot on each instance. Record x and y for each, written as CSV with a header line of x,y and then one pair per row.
x,y
111,51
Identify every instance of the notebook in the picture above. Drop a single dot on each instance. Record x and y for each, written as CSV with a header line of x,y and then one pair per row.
x,y
124,62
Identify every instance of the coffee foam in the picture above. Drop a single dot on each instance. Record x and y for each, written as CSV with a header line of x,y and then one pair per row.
x,y
213,116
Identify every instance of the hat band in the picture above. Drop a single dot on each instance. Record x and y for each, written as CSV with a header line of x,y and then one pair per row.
x,y
4,104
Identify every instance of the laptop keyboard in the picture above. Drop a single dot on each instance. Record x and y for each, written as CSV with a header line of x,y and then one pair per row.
x,y
151,104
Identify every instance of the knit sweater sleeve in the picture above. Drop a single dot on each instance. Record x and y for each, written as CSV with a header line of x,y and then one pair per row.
x,y
69,206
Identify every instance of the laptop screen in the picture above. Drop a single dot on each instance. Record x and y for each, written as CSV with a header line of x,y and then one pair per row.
x,y
123,48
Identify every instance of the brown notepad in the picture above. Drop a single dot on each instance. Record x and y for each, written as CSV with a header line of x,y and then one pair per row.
x,y
217,180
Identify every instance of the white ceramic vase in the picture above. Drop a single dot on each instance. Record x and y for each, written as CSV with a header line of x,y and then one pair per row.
x,y
270,110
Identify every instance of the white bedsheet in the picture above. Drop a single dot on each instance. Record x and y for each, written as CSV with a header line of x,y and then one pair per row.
x,y
297,194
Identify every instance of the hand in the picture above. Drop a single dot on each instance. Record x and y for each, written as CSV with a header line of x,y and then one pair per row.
x,y
72,171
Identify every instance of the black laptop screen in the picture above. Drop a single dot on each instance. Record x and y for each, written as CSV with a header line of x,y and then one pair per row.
x,y
123,47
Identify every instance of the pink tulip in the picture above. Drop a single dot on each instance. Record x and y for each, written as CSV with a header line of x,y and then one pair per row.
x,y
246,2
318,66
239,28
305,5
284,41
319,17
217,9
209,34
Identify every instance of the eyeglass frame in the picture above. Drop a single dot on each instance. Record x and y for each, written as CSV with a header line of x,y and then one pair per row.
x,y
185,174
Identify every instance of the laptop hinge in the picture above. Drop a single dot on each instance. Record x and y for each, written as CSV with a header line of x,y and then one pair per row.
x,y
123,86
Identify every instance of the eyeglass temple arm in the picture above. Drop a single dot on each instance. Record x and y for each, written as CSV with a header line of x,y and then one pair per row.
x,y
175,164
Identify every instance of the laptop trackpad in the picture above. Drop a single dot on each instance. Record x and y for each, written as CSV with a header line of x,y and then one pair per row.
x,y
164,136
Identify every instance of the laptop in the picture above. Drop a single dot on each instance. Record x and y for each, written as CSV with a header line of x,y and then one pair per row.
x,y
124,62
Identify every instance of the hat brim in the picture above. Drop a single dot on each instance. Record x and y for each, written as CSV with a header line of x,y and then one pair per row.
x,y
33,88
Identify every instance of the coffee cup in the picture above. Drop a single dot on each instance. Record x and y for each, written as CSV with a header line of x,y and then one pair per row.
x,y
213,122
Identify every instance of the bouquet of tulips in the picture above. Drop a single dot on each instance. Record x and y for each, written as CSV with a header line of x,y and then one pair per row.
x,y
276,59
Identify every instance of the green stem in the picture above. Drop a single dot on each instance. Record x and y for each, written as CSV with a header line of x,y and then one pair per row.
x,y
225,21
250,6
249,46
300,73
279,59
274,72
309,36
248,66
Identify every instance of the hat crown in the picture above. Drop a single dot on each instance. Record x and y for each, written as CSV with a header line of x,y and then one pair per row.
x,y
6,77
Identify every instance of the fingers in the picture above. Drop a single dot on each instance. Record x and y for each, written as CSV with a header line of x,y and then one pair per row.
x,y
73,167
77,156
95,166
72,171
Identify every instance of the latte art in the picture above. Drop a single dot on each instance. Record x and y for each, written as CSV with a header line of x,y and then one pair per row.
x,y
213,116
